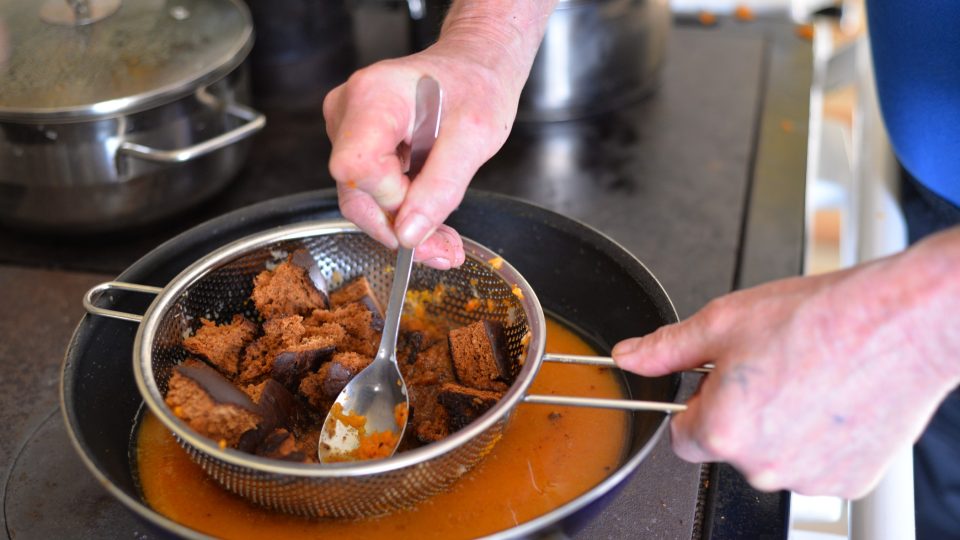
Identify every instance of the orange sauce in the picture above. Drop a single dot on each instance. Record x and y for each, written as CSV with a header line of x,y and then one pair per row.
x,y
548,456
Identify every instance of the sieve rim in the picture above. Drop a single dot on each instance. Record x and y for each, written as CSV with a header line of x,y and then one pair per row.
x,y
150,392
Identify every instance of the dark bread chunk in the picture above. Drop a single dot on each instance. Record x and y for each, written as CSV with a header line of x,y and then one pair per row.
x,y
287,290
359,290
362,335
276,407
288,335
280,444
408,347
209,403
322,388
290,367
428,420
278,335
303,259
432,366
479,356
222,345
464,405
309,443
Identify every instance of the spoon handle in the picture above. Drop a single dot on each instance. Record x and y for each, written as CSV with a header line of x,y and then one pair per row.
x,y
391,320
425,129
426,123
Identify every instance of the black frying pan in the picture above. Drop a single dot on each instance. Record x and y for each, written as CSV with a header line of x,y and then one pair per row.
x,y
580,276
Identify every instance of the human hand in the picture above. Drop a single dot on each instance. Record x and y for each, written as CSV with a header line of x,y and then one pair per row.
x,y
481,68
818,381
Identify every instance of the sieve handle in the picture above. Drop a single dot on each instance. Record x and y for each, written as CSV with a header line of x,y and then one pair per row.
x,y
601,403
602,361
97,290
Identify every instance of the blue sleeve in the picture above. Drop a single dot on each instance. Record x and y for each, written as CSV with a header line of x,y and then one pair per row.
x,y
916,56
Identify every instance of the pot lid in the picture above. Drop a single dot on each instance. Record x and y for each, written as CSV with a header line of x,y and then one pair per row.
x,y
77,59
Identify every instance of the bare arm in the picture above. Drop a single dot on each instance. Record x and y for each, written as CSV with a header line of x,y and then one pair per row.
x,y
482,59
819,380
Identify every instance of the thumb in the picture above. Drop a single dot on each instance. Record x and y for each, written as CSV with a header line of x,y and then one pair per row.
x,y
671,348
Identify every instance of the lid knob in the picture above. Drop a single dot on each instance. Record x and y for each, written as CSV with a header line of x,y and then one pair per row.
x,y
77,12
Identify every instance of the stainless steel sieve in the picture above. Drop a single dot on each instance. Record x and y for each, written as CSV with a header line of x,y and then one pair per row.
x,y
219,285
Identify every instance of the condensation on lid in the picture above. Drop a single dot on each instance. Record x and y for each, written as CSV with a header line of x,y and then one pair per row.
x,y
147,51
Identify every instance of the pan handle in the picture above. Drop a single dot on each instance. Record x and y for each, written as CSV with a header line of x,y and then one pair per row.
x,y
253,122
622,404
97,290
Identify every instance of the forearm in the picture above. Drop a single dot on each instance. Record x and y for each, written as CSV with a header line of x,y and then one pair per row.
x,y
927,281
501,35
897,312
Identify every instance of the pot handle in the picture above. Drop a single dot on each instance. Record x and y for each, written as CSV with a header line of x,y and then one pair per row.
x,y
97,290
622,404
254,122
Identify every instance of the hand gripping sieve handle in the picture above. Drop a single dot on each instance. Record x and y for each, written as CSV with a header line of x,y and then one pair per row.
x,y
622,404
97,291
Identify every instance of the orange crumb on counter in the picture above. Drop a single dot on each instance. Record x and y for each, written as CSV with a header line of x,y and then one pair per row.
x,y
473,304
744,13
804,31
786,126
222,443
707,18
496,263
517,292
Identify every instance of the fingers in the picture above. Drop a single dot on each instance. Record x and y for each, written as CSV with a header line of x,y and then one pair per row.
x,y
685,443
367,118
674,347
360,208
710,429
441,250
440,186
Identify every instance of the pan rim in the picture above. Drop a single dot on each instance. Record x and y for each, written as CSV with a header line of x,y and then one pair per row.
x,y
319,202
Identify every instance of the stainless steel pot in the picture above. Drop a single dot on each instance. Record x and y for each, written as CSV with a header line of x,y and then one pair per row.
x,y
596,55
120,118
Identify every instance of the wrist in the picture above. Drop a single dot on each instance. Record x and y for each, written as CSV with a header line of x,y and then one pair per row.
x,y
931,266
500,36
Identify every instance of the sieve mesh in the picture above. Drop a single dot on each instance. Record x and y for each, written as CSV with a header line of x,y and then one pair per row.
x,y
219,286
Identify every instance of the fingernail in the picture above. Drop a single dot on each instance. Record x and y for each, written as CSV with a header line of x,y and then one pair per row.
x,y
413,230
765,481
626,347
438,262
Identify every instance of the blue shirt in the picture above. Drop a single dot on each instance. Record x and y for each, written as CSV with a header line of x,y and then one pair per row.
x,y
916,56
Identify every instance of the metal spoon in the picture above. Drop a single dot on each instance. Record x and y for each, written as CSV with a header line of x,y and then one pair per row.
x,y
378,393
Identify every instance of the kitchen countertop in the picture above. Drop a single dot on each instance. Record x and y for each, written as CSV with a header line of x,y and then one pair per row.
x,y
702,181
